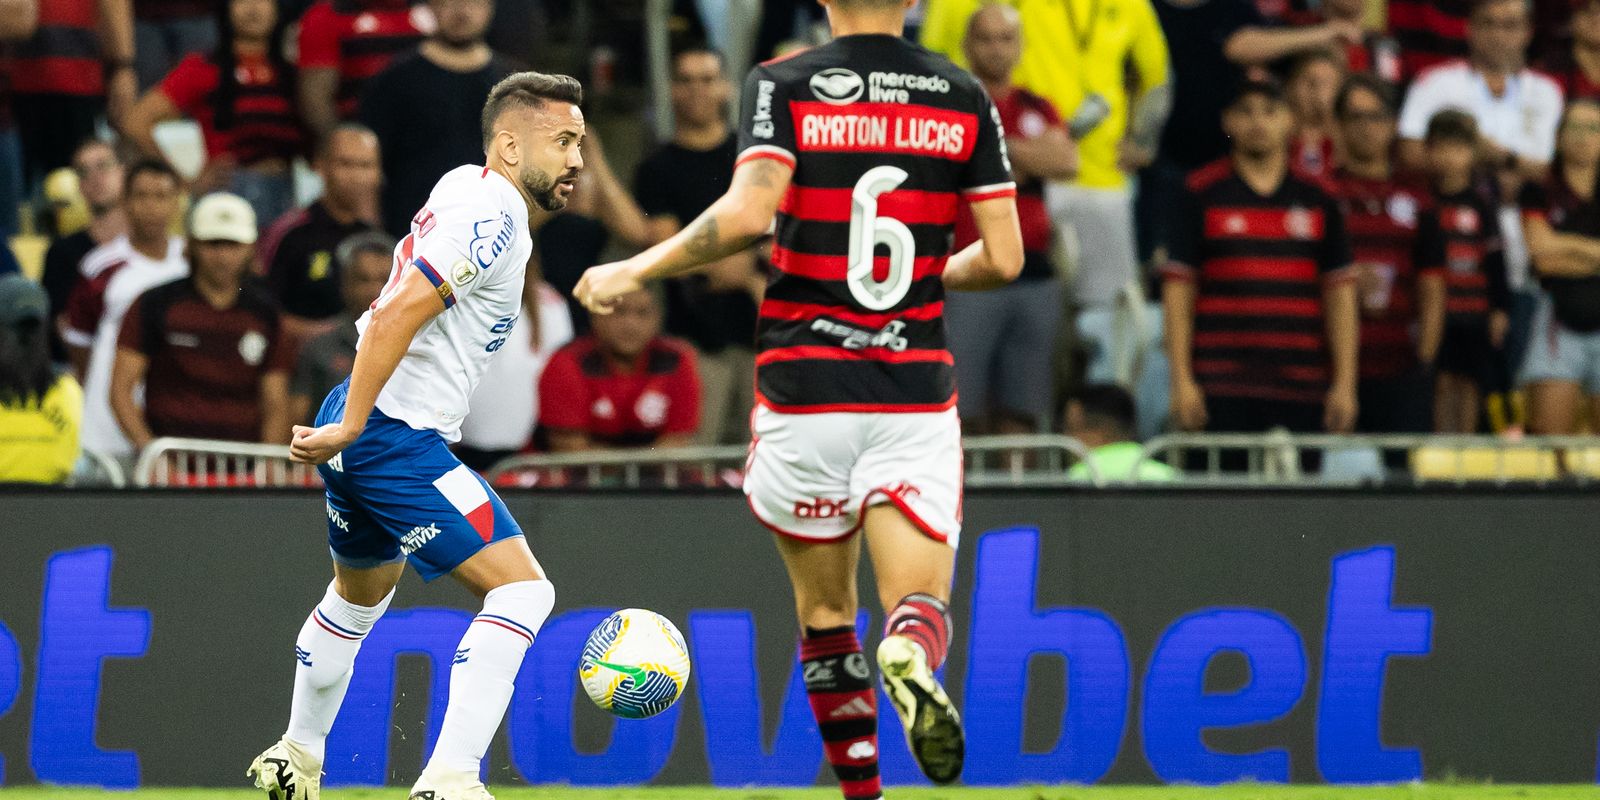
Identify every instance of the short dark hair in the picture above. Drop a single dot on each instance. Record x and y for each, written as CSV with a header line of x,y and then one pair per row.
x,y
1108,407
1452,125
1363,82
1267,88
698,50
95,141
527,90
149,166
326,142
364,242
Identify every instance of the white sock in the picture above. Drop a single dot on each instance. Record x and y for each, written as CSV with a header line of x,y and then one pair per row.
x,y
326,650
485,669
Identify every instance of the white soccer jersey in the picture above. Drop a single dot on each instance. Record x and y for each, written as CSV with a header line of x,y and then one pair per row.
x,y
120,274
471,241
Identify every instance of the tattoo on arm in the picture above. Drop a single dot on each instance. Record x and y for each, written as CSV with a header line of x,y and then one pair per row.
x,y
704,240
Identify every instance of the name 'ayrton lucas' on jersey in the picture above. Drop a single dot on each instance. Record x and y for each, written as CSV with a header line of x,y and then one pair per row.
x,y
882,122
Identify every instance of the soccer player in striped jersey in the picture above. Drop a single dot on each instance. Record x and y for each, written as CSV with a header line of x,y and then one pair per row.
x,y
863,149
395,491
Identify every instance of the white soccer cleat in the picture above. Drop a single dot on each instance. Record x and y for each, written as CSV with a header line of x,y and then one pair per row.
x,y
287,772
439,785
933,727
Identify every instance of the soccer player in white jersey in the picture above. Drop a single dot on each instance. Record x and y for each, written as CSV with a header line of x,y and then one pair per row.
x,y
395,492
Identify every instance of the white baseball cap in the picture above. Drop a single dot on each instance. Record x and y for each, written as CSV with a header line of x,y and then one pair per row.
x,y
223,217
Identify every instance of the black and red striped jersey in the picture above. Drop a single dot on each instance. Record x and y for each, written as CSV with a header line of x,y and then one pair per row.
x,y
1476,282
1259,263
886,139
1394,231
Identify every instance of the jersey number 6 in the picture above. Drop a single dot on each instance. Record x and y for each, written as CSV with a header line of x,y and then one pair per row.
x,y
867,231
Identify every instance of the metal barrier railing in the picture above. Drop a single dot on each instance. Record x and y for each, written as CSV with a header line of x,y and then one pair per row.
x,y
1032,461
208,464
1016,461
1282,458
98,470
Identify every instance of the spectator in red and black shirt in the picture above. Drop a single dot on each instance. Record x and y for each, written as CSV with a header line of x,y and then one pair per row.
x,y
76,65
1260,304
242,95
1430,32
208,348
1577,68
1477,301
623,385
343,44
1399,265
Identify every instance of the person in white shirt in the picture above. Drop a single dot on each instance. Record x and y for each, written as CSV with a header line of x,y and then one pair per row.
x,y
506,403
111,277
1517,109
394,490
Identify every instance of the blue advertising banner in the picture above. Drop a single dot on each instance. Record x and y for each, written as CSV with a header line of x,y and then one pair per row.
x,y
147,639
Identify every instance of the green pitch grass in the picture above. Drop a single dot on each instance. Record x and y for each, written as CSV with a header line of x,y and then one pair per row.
x,y
1239,792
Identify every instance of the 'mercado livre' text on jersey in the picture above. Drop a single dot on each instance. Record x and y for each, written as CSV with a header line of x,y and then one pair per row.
x,y
885,139
471,242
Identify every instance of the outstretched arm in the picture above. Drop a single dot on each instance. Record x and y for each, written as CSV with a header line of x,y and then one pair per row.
x,y
395,320
734,222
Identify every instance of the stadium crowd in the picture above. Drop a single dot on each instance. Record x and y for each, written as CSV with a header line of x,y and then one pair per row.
x,y
1321,215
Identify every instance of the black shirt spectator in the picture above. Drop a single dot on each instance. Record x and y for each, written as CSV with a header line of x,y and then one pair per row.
x,y
100,178
301,268
425,108
298,250
1575,300
683,183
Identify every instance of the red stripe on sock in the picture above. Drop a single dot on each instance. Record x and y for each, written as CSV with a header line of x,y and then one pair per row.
x,y
507,627
324,626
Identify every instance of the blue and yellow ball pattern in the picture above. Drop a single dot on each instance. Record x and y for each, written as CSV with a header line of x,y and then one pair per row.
x,y
635,664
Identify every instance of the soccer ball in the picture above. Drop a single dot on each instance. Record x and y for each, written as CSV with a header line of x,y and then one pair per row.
x,y
635,664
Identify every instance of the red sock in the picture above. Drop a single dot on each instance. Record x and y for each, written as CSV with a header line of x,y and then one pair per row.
x,y
839,686
923,619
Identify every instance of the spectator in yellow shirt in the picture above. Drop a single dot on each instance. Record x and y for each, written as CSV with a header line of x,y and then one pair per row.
x,y
1077,55
40,406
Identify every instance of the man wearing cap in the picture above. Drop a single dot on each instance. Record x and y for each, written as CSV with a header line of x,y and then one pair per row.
x,y
1260,300
40,407
210,349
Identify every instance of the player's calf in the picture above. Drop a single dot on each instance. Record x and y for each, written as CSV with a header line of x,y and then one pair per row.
x,y
481,681
326,654
839,686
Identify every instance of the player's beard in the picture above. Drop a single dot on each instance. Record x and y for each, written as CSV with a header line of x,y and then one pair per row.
x,y
543,188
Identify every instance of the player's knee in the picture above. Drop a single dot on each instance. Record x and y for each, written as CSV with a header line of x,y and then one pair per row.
x,y
529,603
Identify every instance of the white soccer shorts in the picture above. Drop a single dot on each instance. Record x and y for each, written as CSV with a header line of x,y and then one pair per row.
x,y
813,476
